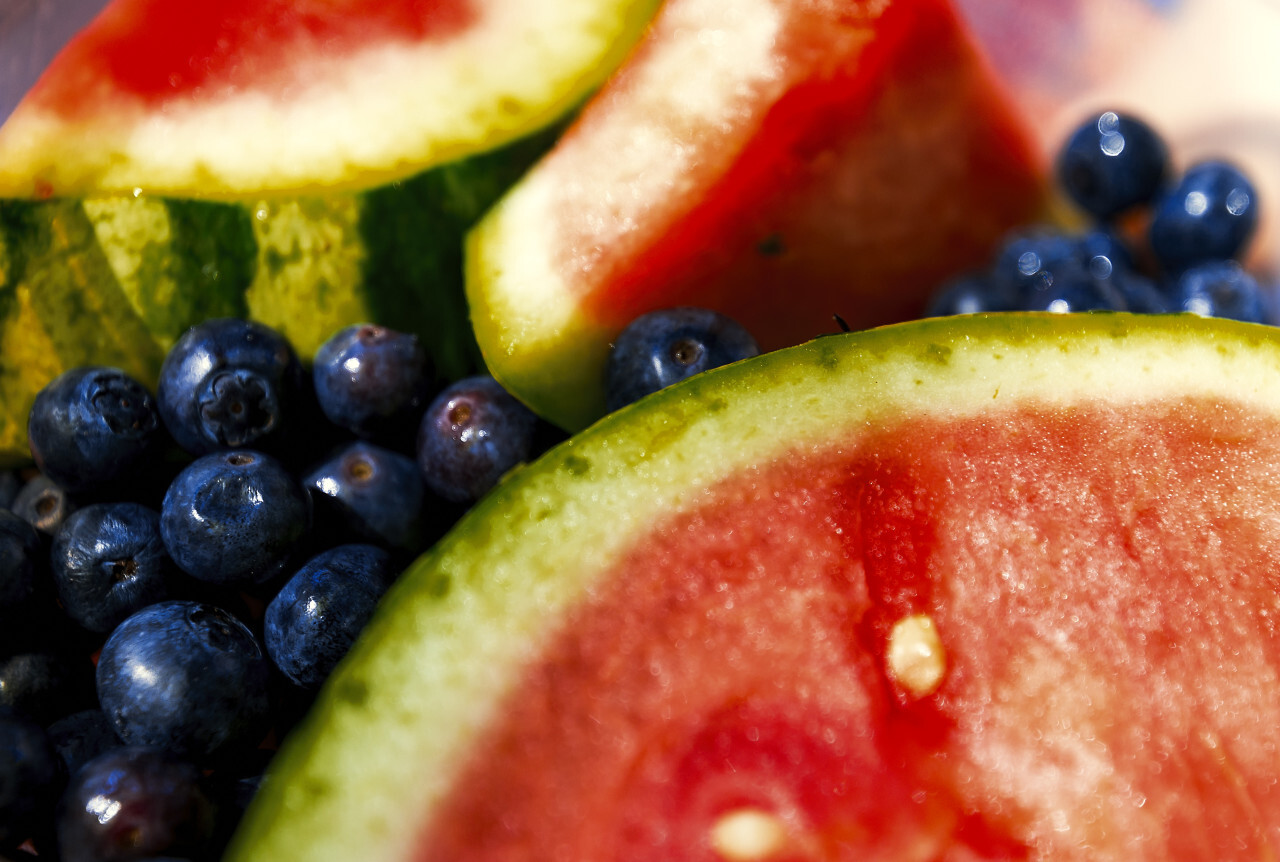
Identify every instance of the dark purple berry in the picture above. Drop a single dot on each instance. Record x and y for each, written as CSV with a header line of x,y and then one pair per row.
x,y
1111,163
46,683
108,560
1219,288
316,616
667,346
1209,215
371,493
372,381
234,517
971,294
470,436
22,569
133,803
82,736
230,383
31,778
186,677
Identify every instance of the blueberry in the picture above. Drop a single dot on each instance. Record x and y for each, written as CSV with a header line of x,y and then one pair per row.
x,y
372,381
230,383
1049,270
82,736
1111,163
186,677
31,778
44,504
10,484
372,493
1209,215
108,560
91,426
1219,288
131,803
234,517
667,346
22,569
1141,294
971,294
46,683
316,616
471,435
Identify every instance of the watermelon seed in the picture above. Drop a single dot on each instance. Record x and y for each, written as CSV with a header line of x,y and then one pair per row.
x,y
748,835
915,657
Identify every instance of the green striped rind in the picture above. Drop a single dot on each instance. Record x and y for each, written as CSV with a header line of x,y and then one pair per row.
x,y
392,726
114,280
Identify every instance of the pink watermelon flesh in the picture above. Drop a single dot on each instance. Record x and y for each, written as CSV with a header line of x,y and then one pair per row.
x,y
159,51
1105,586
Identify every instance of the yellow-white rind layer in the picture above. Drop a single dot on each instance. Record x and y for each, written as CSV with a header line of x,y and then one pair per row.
x,y
373,116
392,727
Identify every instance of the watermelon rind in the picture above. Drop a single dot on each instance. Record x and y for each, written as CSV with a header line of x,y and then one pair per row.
x,y
385,111
115,279
395,724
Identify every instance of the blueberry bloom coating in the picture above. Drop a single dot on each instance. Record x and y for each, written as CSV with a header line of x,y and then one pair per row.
x,y
234,517
371,380
21,567
1111,163
317,615
372,492
1210,215
90,426
667,346
229,383
186,677
108,560
132,803
1219,288
470,436
31,778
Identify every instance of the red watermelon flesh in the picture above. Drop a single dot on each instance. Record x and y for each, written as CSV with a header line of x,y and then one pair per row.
x,y
781,161
1105,587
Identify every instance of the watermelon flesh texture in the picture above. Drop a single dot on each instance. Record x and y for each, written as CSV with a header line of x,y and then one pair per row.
x,y
241,98
781,162
680,634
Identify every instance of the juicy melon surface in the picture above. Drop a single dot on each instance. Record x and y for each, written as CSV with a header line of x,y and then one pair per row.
x,y
780,161
233,98
999,587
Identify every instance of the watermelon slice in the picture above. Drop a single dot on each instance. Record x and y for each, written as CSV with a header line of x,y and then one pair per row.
x,y
1000,587
777,160
245,96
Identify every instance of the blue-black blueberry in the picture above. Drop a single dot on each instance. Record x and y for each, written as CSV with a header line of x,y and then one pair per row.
x,y
31,778
92,426
372,493
230,383
187,677
235,517
664,347
1210,214
372,380
470,436
22,569
108,560
132,803
316,616
1111,163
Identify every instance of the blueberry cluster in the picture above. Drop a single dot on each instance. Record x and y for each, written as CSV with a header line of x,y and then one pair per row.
x,y
1160,241
180,571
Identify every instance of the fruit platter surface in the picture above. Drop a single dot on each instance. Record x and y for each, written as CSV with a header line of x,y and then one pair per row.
x,y
709,430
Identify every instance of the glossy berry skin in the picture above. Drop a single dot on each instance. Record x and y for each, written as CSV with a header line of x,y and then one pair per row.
x,y
470,436
91,426
186,677
108,560
22,568
316,616
31,778
234,517
1111,163
230,383
133,803
1209,215
371,492
664,347
1219,288
371,380
1048,270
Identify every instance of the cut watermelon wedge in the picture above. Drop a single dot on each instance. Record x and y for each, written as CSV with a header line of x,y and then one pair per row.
x,y
997,587
781,161
254,95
